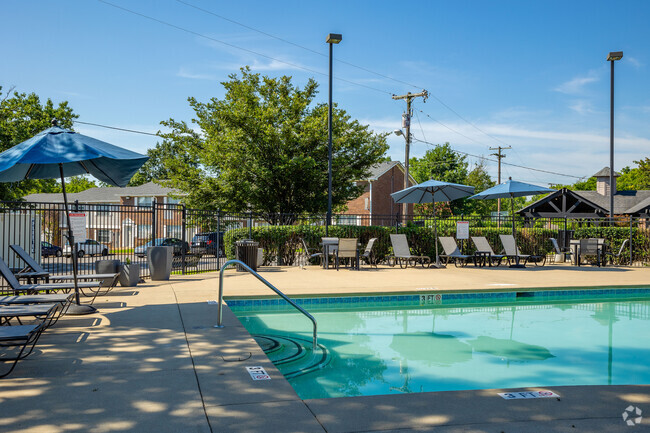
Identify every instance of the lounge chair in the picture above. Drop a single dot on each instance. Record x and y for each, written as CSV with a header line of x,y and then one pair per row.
x,y
368,254
513,252
23,338
453,253
347,250
402,253
483,246
18,288
34,271
47,314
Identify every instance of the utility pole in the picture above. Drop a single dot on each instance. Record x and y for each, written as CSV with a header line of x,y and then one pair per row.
x,y
499,156
406,123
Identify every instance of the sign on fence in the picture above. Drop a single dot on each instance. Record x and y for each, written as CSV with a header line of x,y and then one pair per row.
x,y
78,226
462,229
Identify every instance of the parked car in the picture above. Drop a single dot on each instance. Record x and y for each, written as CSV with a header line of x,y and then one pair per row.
x,y
206,243
178,244
89,246
47,249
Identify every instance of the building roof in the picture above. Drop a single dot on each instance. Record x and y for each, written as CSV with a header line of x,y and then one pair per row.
x,y
105,194
604,172
379,169
623,200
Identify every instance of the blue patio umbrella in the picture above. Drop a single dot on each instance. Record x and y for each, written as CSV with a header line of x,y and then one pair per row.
x,y
432,191
511,188
60,153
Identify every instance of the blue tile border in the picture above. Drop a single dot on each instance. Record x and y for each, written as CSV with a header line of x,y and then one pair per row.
x,y
432,299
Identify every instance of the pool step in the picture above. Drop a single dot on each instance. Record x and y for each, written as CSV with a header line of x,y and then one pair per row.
x,y
293,356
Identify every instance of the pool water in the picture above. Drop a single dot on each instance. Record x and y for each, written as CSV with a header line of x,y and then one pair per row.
x,y
389,344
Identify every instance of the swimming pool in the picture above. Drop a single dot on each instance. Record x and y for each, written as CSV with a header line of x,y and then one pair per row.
x,y
422,342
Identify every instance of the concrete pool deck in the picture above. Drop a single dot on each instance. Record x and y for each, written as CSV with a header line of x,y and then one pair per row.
x,y
151,361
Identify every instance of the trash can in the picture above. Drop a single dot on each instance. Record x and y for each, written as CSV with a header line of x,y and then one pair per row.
x,y
246,251
159,260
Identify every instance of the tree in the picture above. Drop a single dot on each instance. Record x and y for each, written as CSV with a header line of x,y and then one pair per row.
x,y
444,164
21,117
263,148
480,180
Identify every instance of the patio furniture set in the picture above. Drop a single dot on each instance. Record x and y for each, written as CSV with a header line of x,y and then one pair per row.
x,y
42,304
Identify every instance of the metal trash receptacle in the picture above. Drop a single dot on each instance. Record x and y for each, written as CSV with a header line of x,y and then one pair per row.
x,y
246,251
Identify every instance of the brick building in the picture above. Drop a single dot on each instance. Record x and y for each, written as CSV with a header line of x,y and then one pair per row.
x,y
375,206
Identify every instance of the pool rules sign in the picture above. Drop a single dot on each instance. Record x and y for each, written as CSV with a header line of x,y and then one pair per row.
x,y
258,373
462,230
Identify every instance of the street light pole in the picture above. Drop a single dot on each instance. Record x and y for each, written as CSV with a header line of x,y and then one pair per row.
x,y
612,57
332,38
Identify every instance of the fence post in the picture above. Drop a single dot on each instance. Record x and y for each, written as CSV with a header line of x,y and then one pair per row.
x,y
183,236
219,240
250,225
153,222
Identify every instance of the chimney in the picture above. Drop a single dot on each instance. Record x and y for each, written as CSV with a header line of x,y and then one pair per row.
x,y
602,182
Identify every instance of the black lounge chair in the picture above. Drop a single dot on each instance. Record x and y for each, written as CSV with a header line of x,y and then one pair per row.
x,y
513,253
20,340
483,246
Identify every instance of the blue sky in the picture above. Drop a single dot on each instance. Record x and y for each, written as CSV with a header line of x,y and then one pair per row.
x,y
529,74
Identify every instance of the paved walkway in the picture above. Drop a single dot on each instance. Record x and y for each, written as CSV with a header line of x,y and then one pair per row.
x,y
151,361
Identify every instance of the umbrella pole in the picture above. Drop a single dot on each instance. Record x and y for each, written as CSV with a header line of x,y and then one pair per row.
x,y
435,237
75,309
512,215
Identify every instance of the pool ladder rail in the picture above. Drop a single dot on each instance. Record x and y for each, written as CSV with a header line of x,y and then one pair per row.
x,y
270,286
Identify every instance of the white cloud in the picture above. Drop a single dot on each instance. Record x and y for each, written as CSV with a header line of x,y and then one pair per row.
x,y
184,73
635,62
577,84
582,106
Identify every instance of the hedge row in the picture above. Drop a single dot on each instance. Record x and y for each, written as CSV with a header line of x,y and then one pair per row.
x,y
281,244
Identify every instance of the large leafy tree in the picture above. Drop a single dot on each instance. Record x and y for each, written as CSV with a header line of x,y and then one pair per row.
x,y
444,164
263,148
480,179
21,117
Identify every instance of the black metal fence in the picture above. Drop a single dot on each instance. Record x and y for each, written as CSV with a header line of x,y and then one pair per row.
x,y
203,238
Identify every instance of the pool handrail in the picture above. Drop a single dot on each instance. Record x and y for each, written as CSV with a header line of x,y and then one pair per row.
x,y
270,286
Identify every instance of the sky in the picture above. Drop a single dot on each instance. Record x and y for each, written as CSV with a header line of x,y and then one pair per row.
x,y
530,75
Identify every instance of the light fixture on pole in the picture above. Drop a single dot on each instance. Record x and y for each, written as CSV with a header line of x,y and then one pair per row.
x,y
612,57
332,39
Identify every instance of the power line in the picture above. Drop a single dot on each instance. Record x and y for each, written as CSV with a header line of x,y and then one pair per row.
x,y
174,26
388,77
506,163
116,128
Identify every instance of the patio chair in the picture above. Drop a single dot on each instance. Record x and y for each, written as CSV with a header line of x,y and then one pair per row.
x,y
453,253
513,253
483,246
18,288
308,254
368,254
34,271
21,339
402,253
347,250
590,248
556,247
618,255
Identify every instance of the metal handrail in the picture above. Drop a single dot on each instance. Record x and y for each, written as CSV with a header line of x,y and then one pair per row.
x,y
270,286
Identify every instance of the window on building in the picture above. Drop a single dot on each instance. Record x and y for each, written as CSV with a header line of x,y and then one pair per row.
x,y
103,207
366,203
144,231
144,201
347,220
174,231
170,200
104,236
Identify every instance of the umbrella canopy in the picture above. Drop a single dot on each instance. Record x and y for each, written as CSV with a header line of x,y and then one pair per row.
x,y
60,153
42,156
432,191
510,189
